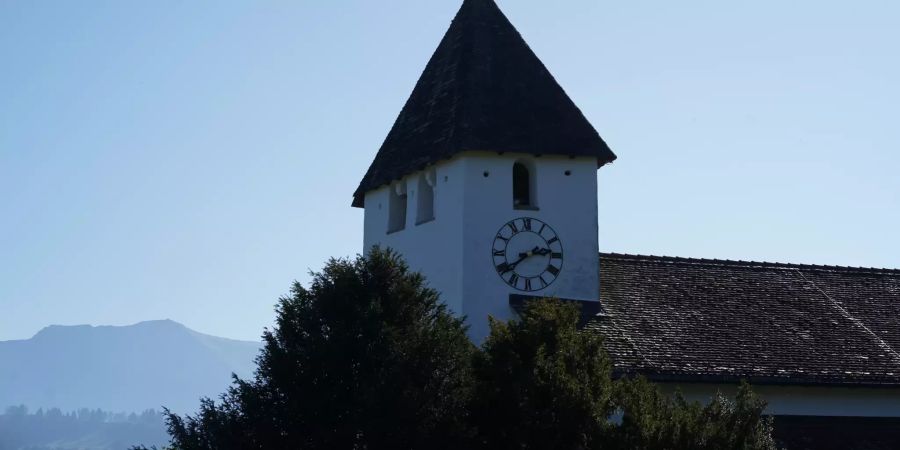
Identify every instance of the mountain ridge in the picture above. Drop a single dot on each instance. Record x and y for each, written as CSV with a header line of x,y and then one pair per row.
x,y
145,365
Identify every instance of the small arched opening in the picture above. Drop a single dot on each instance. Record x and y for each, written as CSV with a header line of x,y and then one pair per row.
x,y
523,186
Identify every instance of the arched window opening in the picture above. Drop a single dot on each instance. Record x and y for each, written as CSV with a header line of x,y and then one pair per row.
x,y
523,187
425,204
397,207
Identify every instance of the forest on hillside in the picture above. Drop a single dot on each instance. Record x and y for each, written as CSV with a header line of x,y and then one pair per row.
x,y
84,429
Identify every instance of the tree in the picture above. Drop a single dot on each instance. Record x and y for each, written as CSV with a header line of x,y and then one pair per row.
x,y
652,420
541,383
366,357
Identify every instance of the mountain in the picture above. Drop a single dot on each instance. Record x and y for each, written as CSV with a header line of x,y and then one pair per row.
x,y
130,368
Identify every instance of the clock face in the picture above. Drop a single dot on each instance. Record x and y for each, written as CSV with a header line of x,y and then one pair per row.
x,y
527,254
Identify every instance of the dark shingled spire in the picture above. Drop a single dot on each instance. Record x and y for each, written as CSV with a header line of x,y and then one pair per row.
x,y
484,89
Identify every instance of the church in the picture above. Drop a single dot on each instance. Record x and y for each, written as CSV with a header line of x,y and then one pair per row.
x,y
487,184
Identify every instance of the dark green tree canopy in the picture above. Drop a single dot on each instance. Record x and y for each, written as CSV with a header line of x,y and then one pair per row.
x,y
543,384
654,421
367,357
540,383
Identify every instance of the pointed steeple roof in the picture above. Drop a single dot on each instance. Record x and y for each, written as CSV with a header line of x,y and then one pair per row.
x,y
483,89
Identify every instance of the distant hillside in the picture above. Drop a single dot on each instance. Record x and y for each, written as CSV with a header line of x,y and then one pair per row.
x,y
53,429
130,368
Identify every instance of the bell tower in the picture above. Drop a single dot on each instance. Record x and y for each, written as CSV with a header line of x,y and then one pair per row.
x,y
487,182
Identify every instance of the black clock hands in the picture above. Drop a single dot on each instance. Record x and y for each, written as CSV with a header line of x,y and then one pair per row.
x,y
535,251
506,267
531,244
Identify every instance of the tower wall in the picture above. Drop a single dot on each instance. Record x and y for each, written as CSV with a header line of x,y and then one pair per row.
x,y
567,203
434,247
473,199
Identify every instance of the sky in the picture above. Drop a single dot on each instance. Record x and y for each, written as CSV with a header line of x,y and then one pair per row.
x,y
189,160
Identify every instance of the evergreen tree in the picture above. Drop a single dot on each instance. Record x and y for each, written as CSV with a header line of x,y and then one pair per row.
x,y
366,357
541,383
652,420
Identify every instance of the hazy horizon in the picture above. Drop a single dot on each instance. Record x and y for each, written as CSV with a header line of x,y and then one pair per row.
x,y
189,160
126,325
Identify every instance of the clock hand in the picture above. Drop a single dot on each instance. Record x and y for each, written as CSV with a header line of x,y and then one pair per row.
x,y
506,267
535,251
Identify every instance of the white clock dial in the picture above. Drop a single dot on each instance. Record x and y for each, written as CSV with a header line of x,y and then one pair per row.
x,y
527,254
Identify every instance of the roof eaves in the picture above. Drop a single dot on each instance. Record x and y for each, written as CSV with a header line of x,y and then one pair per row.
x,y
793,380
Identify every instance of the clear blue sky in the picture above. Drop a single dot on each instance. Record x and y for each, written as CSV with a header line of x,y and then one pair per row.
x,y
188,160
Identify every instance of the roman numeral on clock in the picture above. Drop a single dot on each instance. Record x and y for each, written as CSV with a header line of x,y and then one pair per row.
x,y
543,282
553,269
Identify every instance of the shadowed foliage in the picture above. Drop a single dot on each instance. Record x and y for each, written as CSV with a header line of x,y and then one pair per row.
x,y
653,420
368,358
541,383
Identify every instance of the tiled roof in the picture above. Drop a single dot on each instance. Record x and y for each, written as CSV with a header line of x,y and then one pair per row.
x,y
713,320
483,89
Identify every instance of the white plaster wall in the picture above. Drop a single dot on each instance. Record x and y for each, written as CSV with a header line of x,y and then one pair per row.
x,y
454,250
432,248
807,400
567,203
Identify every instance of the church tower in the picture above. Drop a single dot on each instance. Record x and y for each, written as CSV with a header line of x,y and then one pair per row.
x,y
487,182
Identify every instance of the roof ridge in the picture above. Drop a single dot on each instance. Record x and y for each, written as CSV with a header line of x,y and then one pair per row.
x,y
749,264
